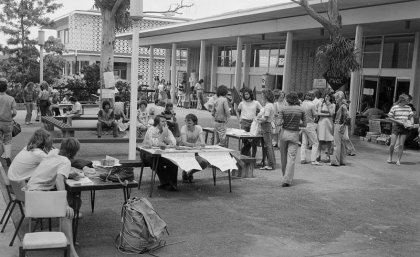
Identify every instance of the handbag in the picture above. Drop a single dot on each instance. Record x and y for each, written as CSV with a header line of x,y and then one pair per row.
x,y
142,228
80,163
255,128
16,129
118,174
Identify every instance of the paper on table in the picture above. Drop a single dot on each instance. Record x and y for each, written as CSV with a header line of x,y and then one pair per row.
x,y
239,132
82,181
185,161
221,160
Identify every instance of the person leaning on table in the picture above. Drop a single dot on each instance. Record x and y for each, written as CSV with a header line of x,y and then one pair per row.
x,y
192,136
51,174
159,135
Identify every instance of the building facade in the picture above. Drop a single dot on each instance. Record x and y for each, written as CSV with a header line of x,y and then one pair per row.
x,y
81,33
278,47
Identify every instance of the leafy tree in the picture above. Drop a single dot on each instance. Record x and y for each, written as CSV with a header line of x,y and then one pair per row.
x,y
53,60
92,76
116,16
337,56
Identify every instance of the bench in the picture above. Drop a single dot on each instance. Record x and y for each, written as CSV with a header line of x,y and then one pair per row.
x,y
67,130
83,106
64,118
246,165
100,140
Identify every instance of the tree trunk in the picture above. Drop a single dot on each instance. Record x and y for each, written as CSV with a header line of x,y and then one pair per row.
x,y
108,41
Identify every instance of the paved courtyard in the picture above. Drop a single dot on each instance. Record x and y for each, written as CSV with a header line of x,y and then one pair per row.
x,y
366,208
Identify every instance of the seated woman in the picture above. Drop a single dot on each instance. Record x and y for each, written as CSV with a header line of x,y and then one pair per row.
x,y
106,118
142,119
160,135
52,173
192,135
25,162
120,117
170,117
76,110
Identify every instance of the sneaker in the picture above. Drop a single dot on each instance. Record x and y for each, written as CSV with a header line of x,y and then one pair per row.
x,y
285,185
303,162
316,163
398,163
266,168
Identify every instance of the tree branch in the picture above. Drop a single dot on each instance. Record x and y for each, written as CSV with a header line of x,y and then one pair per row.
x,y
176,9
116,6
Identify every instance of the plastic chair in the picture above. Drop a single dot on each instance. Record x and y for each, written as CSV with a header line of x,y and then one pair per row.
x,y
15,196
45,204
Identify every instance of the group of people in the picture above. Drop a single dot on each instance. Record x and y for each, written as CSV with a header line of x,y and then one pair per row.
x,y
188,95
40,167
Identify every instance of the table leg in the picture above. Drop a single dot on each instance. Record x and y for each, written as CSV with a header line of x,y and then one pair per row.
x,y
227,142
127,192
214,175
92,200
154,169
206,137
240,144
141,174
76,215
230,186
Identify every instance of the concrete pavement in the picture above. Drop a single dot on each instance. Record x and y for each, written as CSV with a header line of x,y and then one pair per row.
x,y
366,208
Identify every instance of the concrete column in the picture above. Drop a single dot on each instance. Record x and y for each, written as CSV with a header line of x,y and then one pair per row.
x,y
245,75
173,73
415,77
202,67
167,71
151,64
238,68
213,75
355,80
287,71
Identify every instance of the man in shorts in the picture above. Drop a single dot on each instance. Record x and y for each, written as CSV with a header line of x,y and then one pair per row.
x,y
7,112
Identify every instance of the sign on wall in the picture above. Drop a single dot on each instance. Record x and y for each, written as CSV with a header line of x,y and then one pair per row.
x,y
320,83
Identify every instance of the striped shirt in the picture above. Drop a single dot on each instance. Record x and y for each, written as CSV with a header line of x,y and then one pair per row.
x,y
401,113
292,116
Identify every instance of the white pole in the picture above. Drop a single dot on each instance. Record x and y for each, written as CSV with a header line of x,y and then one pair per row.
x,y
41,63
134,90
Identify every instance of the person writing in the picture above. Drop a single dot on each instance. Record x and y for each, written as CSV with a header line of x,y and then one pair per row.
x,y
159,135
51,174
192,136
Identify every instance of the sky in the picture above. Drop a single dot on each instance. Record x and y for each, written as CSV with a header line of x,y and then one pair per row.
x,y
201,8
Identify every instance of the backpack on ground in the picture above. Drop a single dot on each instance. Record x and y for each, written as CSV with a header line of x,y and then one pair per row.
x,y
142,228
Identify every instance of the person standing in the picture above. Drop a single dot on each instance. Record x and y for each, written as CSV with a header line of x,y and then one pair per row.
x,y
309,135
326,110
181,94
7,113
292,117
29,99
402,115
221,115
44,99
280,102
340,127
266,129
199,88
246,113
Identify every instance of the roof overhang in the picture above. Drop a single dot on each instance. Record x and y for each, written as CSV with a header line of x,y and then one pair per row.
x,y
276,20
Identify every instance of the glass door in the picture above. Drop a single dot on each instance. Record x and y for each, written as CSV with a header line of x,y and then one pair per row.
x,y
385,97
370,87
403,87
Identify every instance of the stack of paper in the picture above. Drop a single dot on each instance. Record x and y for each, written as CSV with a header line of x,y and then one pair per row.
x,y
80,182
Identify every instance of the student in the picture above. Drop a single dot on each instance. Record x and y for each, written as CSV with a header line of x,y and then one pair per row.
x,y
7,113
159,135
51,174
25,162
170,117
292,117
221,115
44,99
309,135
181,94
199,88
142,119
265,118
106,118
76,110
29,99
340,153
246,113
192,136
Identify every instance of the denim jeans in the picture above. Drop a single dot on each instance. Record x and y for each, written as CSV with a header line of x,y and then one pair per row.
x,y
288,149
248,144
266,132
220,133
29,109
309,137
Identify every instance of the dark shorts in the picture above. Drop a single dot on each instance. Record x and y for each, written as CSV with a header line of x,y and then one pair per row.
x,y
398,129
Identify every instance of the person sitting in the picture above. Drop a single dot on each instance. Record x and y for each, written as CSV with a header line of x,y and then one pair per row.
x,y
55,108
170,117
373,113
159,135
142,119
76,110
192,136
26,161
106,118
51,174
158,108
119,107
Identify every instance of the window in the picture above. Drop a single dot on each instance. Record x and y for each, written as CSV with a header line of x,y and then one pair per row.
x,y
181,57
120,70
398,52
66,36
372,52
226,56
267,55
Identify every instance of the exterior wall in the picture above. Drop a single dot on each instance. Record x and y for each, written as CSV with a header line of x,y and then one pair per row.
x,y
304,66
159,70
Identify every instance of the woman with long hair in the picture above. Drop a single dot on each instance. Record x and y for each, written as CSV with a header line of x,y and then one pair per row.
x,y
266,129
326,111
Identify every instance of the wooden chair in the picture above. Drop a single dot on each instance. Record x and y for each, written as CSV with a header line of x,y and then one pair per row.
x,y
45,204
16,197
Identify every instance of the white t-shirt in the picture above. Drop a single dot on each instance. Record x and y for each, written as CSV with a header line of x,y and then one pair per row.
x,y
249,109
24,164
77,107
44,176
